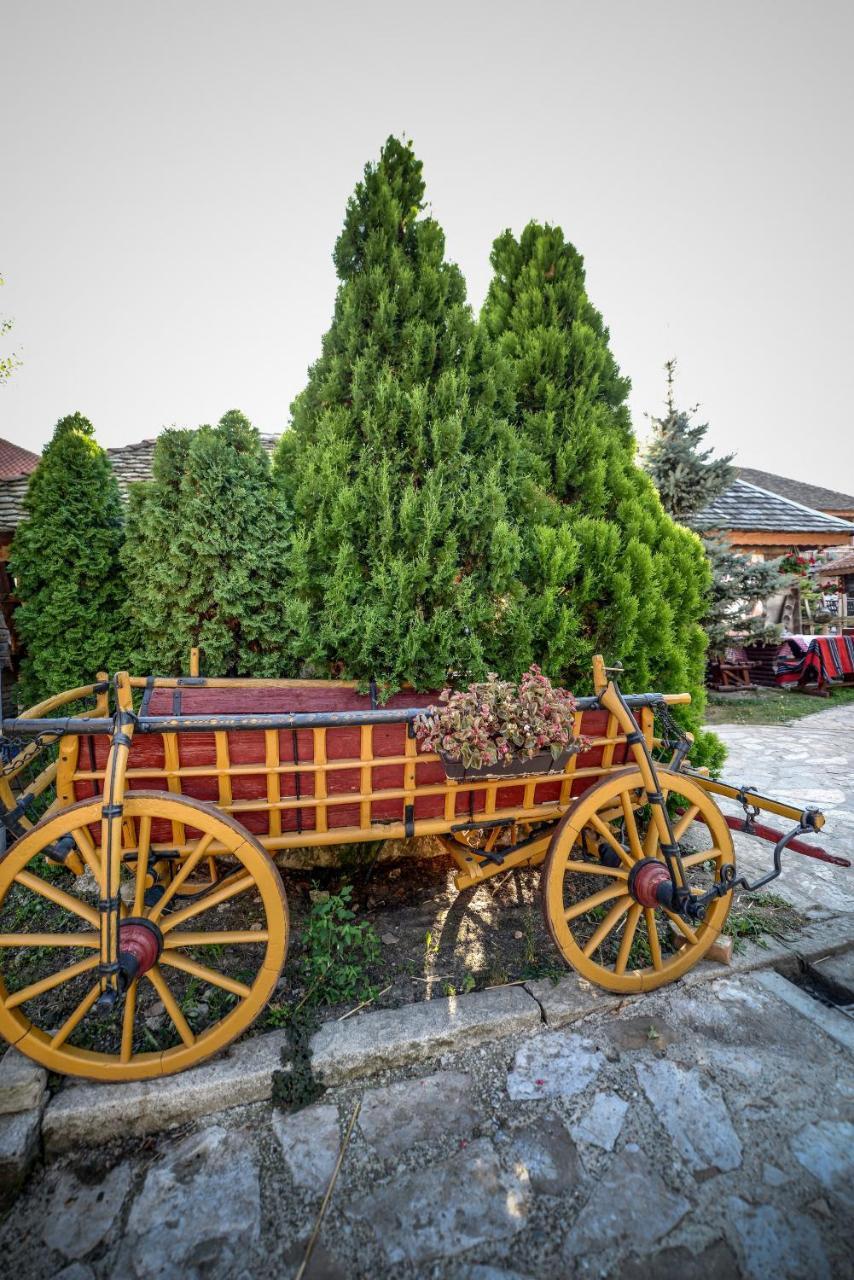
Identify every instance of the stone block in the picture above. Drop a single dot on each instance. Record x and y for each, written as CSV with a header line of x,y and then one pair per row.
x,y
395,1117
310,1142
631,1205
88,1114
22,1083
691,1108
569,999
80,1215
395,1037
444,1209
19,1147
555,1064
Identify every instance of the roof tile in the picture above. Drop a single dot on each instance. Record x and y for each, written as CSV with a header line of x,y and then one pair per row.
x,y
747,506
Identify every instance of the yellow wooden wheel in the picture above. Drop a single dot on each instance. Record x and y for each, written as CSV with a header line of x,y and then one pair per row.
x,y
201,967
590,897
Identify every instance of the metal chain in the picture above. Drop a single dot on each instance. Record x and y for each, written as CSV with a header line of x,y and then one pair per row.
x,y
11,750
673,733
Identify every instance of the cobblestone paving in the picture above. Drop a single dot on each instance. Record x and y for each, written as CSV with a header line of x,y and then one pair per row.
x,y
703,1130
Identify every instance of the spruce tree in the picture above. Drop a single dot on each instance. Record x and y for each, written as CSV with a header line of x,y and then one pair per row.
x,y
686,476
65,560
689,477
633,586
206,549
398,462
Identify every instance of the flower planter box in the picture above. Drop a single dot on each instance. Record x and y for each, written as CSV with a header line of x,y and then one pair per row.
x,y
456,771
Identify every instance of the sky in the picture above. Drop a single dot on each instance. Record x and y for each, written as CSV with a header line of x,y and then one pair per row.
x,y
174,176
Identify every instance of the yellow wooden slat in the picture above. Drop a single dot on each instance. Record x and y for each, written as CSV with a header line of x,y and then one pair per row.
x,y
172,761
274,793
610,742
223,761
366,751
320,780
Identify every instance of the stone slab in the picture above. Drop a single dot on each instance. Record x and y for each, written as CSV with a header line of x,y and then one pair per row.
x,y
833,1023
602,1122
569,999
557,1064
824,1149
22,1083
310,1142
19,1147
630,1205
444,1209
198,1213
786,1245
80,1215
692,1109
395,1117
395,1037
545,1150
89,1114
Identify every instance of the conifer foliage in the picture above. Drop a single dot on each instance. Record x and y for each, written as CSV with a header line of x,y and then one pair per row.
x,y
65,559
404,560
689,477
607,570
686,476
205,553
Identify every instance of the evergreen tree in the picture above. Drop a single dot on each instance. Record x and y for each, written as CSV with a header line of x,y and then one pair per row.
x,y
630,583
398,462
206,549
687,477
65,559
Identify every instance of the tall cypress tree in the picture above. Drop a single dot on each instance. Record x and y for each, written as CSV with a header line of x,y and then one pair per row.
x,y
398,462
634,585
65,559
205,549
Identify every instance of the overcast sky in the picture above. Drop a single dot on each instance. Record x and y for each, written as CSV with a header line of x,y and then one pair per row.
x,y
173,178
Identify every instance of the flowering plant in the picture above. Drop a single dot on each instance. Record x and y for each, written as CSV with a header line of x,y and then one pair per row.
x,y
499,721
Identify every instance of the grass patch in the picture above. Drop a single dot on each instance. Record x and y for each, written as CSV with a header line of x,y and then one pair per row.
x,y
770,706
754,917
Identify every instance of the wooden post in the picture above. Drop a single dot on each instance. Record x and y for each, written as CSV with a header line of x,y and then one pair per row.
x,y
194,662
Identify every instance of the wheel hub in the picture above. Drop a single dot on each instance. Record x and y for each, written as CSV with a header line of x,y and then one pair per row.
x,y
649,883
140,945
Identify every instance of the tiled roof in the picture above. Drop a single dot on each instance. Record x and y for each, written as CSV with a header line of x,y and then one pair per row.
x,y
809,495
130,462
747,506
15,461
842,564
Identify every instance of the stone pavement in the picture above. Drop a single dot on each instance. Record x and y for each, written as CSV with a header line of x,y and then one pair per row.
x,y
703,1130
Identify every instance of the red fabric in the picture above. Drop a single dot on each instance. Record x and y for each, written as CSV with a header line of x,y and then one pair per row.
x,y
827,658
248,747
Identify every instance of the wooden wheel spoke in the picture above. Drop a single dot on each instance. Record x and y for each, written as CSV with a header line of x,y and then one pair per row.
x,y
53,980
595,900
50,940
229,888
58,896
631,826
88,852
184,872
143,849
685,929
76,1017
608,836
685,821
652,936
204,974
610,922
595,869
704,855
216,938
170,1004
128,1017
627,938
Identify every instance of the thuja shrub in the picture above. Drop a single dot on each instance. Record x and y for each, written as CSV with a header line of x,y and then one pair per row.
x,y
65,558
404,564
607,571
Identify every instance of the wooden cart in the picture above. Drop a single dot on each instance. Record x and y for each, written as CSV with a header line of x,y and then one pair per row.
x,y
149,882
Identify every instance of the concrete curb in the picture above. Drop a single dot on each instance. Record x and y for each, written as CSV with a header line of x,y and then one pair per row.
x,y
86,1114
